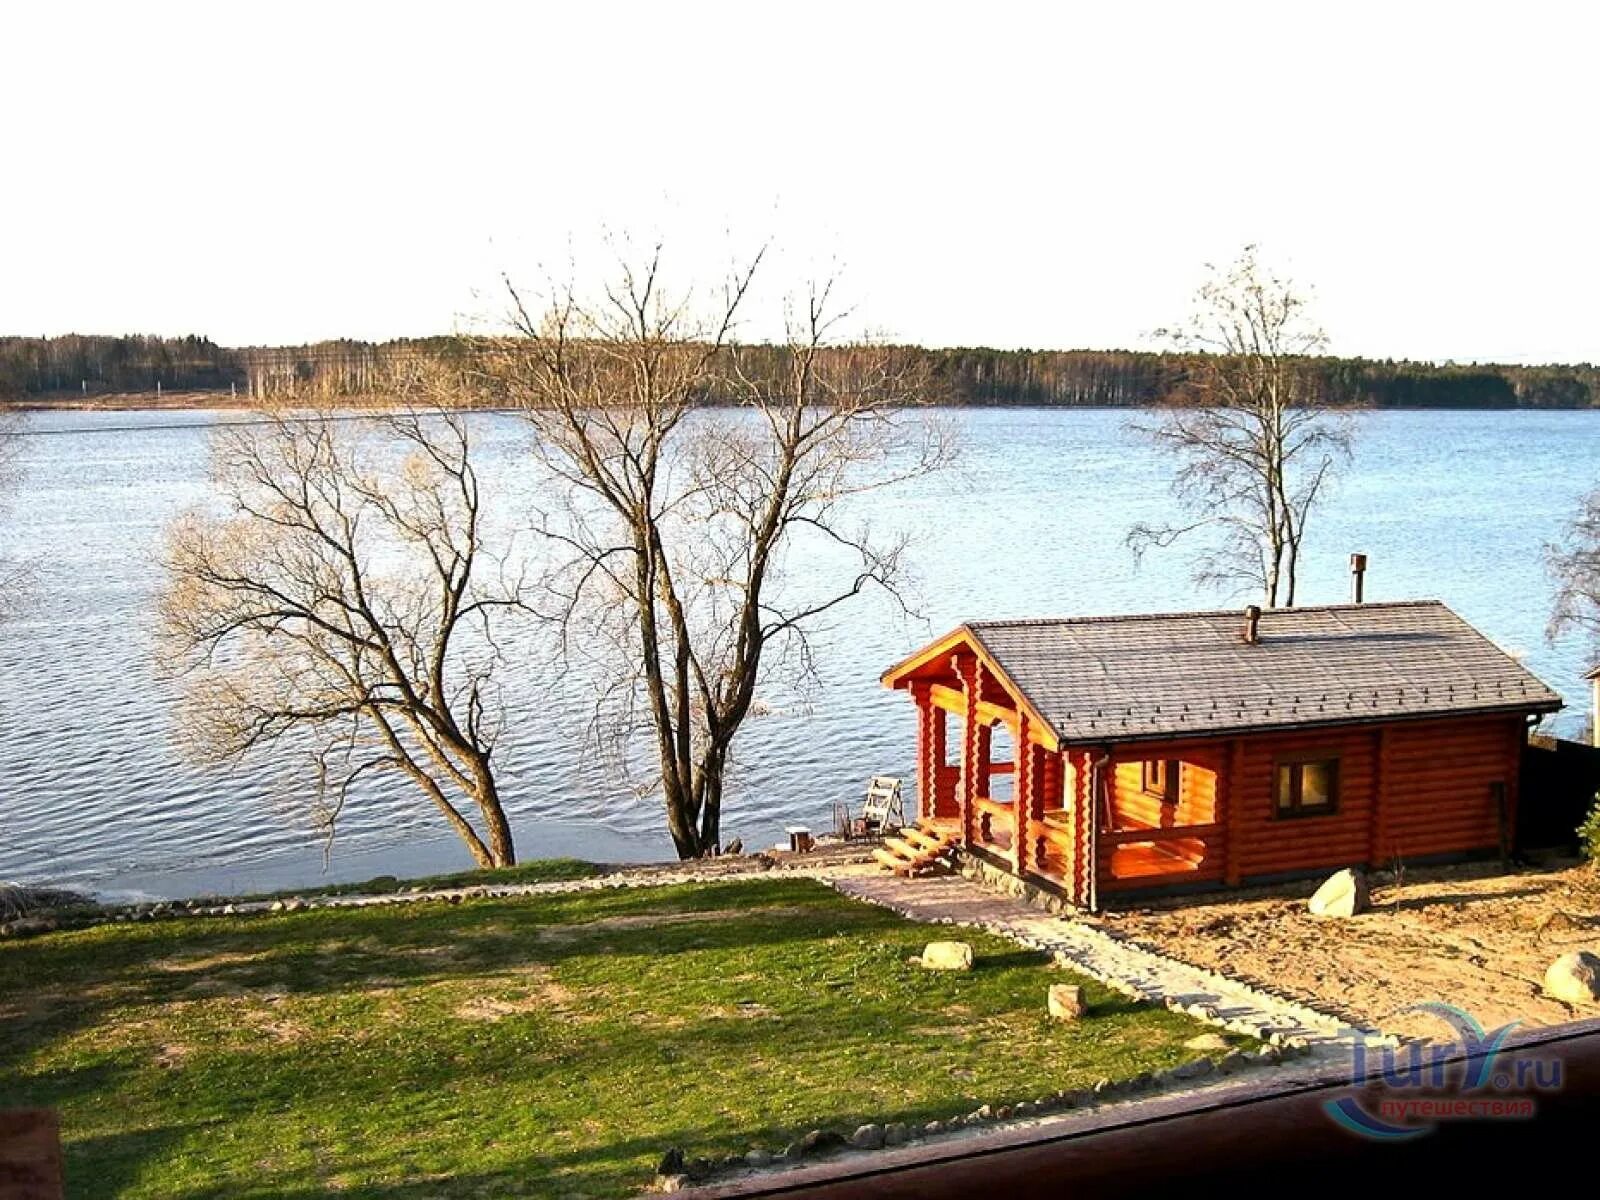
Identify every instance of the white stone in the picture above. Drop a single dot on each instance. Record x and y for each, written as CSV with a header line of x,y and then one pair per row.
x,y
1207,1041
1343,894
947,956
1574,978
1065,1002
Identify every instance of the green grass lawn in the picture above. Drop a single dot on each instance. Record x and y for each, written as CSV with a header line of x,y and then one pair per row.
x,y
540,1046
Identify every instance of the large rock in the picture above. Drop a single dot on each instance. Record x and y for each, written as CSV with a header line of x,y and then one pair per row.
x,y
1065,1002
1574,978
868,1137
947,956
1343,895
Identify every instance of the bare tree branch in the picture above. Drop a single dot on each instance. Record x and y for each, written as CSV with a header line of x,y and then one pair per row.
x,y
335,600
1252,445
688,468
1574,564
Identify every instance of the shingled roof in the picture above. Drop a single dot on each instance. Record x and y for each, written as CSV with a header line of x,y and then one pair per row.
x,y
1098,679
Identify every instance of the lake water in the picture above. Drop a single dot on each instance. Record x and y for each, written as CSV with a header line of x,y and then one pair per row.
x,y
93,792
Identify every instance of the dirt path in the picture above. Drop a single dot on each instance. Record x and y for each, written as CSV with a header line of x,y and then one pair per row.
x,y
1470,936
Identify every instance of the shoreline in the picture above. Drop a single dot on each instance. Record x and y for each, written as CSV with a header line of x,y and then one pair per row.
x,y
194,400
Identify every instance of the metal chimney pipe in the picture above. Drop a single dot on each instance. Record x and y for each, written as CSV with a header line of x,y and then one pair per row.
x,y
1252,624
1358,577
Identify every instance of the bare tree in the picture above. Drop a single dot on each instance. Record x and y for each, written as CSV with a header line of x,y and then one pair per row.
x,y
337,603
692,469
1574,564
1252,445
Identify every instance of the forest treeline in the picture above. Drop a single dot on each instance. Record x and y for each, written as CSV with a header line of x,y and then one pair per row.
x,y
46,368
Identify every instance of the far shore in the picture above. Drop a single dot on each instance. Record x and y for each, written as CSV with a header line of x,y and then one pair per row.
x,y
218,399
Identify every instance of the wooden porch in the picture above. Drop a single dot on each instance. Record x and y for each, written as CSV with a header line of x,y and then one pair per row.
x,y
993,778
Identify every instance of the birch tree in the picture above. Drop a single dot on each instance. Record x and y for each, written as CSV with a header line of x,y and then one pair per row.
x,y
1574,564
339,599
690,472
1252,446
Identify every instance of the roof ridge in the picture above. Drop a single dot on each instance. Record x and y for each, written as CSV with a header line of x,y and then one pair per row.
x,y
1119,618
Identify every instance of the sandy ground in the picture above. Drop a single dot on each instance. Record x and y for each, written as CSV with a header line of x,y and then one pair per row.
x,y
1471,936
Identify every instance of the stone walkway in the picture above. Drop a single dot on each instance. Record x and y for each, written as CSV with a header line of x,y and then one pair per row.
x,y
1129,968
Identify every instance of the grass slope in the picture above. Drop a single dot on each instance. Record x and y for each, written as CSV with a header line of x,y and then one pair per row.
x,y
545,1046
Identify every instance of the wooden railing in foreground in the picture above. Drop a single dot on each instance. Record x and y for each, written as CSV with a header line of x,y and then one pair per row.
x,y
30,1155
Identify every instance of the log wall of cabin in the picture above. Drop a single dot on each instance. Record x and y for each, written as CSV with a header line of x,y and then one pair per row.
x,y
1268,844
1439,786
1135,808
1408,789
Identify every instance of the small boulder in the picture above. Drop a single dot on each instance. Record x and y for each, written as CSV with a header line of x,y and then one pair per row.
x,y
947,956
1065,1002
821,1141
672,1162
896,1133
867,1137
933,1129
757,1157
672,1183
1207,1041
1193,1069
1344,894
1574,978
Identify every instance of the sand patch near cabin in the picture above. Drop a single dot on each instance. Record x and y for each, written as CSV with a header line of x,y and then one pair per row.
x,y
1471,936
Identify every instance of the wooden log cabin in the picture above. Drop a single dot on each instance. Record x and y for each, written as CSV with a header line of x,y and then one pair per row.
x,y
1103,757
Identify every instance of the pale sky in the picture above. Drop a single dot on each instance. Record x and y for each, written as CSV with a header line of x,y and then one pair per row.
x,y
1044,175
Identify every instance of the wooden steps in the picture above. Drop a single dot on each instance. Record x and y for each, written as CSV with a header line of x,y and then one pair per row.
x,y
915,850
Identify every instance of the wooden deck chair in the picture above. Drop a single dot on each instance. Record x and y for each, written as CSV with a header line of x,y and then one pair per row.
x,y
883,808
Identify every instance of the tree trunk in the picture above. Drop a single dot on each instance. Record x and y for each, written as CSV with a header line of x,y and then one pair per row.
x,y
711,801
685,836
502,850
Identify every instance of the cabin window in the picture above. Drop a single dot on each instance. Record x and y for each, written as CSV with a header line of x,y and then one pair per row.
x,y
1307,787
1160,778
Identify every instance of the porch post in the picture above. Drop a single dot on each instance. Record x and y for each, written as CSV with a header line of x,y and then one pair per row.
x,y
943,803
1023,789
927,778
974,746
1082,803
